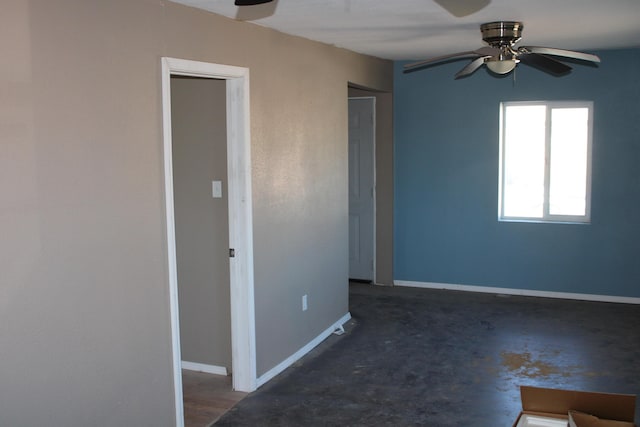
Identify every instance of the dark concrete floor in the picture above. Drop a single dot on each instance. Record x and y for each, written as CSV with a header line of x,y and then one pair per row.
x,y
445,358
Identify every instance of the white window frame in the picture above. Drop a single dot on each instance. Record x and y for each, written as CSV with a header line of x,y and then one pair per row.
x,y
546,216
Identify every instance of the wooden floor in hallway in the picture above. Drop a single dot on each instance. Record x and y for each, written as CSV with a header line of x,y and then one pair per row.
x,y
207,397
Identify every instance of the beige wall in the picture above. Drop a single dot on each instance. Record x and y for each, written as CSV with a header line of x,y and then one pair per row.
x,y
84,306
199,138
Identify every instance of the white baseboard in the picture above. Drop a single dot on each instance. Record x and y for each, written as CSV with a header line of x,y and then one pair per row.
x,y
202,367
304,350
522,292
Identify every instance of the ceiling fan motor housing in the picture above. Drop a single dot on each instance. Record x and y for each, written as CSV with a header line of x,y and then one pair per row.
x,y
501,33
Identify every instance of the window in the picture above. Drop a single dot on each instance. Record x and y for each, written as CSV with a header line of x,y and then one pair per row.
x,y
545,161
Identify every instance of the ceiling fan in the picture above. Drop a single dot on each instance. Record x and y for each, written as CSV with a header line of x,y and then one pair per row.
x,y
501,56
461,8
458,8
251,2
256,9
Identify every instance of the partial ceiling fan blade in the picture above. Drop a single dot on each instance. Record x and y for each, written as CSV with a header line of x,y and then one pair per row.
x,y
560,52
483,51
250,2
460,8
257,11
471,67
544,63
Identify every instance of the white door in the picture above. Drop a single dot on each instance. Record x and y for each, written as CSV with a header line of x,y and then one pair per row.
x,y
361,188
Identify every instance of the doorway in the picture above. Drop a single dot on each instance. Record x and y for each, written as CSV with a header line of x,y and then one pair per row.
x,y
362,189
199,153
243,358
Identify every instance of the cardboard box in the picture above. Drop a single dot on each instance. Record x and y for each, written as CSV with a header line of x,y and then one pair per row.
x,y
545,406
580,419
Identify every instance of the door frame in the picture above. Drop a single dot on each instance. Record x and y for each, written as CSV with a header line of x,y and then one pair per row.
x,y
374,178
243,342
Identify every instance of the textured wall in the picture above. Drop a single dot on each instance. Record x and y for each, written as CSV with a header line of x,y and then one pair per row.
x,y
84,304
446,182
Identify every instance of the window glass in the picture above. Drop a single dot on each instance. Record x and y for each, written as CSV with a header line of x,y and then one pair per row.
x,y
545,153
524,140
568,168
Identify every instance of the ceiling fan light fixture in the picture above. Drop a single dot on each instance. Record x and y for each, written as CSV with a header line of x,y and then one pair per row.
x,y
501,66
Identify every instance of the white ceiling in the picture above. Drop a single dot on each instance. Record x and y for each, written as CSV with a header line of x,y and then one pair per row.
x,y
417,29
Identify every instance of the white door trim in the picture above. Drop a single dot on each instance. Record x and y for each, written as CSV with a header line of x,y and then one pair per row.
x,y
243,343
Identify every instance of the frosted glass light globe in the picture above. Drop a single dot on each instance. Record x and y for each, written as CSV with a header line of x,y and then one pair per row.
x,y
501,67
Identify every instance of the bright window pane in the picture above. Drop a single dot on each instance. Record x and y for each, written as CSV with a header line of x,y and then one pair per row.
x,y
545,161
524,161
568,167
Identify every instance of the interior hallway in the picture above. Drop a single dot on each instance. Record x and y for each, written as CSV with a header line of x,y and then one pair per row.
x,y
447,358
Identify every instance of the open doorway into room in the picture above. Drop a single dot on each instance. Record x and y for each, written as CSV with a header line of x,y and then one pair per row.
x,y
201,249
201,217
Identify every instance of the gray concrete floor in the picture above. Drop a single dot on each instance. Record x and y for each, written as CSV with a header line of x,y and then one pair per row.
x,y
444,358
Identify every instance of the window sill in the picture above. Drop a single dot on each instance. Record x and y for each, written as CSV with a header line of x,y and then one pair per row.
x,y
544,221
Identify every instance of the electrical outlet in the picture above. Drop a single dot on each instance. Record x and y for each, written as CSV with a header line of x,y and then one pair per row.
x,y
304,303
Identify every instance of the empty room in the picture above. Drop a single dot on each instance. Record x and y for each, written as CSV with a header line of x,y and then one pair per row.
x,y
342,212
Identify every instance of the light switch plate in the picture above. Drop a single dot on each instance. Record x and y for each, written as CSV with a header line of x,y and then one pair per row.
x,y
216,189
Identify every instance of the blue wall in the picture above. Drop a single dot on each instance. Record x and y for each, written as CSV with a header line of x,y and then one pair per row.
x,y
446,182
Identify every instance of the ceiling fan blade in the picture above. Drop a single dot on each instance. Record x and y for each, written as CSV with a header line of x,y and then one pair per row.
x,y
544,63
460,8
471,67
256,11
250,2
483,51
561,52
